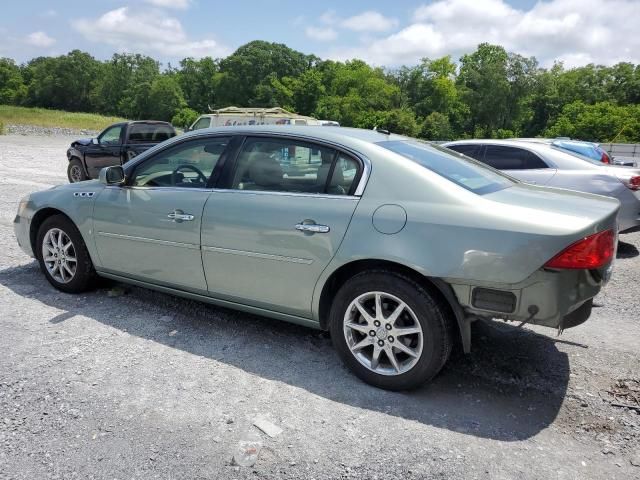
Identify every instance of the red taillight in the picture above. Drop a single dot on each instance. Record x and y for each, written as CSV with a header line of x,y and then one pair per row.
x,y
634,183
592,252
605,158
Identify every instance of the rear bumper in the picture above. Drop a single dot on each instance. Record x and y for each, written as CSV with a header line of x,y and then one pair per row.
x,y
551,298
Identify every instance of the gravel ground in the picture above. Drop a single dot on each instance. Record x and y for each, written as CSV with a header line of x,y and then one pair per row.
x,y
145,385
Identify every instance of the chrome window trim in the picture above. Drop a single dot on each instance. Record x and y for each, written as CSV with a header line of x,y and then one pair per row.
x,y
288,194
267,256
168,243
358,192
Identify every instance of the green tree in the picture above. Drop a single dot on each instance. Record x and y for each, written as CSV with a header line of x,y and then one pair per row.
x,y
436,126
196,79
245,77
165,98
496,86
124,84
600,122
184,117
63,82
12,88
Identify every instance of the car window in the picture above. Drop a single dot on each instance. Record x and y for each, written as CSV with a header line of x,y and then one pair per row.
x,y
511,158
111,135
188,165
462,171
472,151
150,132
282,165
203,122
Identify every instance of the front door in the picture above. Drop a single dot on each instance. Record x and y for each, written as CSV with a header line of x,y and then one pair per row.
x,y
268,236
150,228
106,152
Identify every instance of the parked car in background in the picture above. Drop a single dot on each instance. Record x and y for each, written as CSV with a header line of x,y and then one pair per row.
x,y
542,163
392,244
234,116
116,145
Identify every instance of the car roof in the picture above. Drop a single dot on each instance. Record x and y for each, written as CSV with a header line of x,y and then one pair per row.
x,y
318,132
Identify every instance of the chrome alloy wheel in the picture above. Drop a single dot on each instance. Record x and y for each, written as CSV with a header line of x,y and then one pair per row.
x,y
59,255
75,172
383,333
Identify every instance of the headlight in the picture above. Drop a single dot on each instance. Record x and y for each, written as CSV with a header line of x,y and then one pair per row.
x,y
22,207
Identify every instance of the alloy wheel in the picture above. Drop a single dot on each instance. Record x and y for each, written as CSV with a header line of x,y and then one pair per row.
x,y
59,255
383,333
76,173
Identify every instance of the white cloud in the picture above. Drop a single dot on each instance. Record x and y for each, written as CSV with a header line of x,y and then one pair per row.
x,y
370,21
321,34
40,39
146,32
177,4
575,31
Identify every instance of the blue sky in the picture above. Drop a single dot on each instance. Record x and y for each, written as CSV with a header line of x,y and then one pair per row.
x,y
384,33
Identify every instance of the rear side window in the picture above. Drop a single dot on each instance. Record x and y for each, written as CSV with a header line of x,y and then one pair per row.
x,y
283,165
150,132
512,158
472,151
467,173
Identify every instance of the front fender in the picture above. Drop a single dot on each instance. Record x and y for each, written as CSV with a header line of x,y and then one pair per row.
x,y
75,200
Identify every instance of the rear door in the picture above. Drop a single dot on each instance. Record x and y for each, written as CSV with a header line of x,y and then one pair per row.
x,y
520,163
107,151
279,219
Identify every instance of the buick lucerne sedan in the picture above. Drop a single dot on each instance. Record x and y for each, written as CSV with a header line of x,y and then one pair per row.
x,y
392,244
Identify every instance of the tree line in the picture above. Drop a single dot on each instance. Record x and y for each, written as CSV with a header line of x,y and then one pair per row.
x,y
490,93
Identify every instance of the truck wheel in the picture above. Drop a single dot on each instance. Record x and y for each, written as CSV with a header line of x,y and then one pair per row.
x,y
75,172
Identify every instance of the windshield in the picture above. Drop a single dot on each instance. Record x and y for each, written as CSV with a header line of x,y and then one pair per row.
x,y
463,171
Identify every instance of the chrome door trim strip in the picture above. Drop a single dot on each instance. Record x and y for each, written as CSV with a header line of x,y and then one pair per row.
x,y
266,256
286,194
150,240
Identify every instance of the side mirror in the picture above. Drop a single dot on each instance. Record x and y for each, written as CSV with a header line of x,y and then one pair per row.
x,y
112,175
95,141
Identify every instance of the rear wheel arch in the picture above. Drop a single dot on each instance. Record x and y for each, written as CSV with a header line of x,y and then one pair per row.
x,y
438,288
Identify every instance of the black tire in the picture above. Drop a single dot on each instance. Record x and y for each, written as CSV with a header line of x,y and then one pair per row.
x,y
75,171
437,328
85,277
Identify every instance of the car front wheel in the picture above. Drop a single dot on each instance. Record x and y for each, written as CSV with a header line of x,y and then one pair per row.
x,y
75,172
389,330
63,255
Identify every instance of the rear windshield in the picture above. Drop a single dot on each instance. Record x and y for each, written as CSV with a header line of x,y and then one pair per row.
x,y
463,171
575,154
150,132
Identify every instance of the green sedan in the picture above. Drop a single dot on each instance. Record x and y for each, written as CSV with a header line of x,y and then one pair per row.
x,y
392,244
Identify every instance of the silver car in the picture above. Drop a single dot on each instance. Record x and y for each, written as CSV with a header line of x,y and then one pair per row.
x,y
393,245
540,163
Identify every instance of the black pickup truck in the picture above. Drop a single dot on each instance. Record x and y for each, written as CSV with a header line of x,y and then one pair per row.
x,y
116,145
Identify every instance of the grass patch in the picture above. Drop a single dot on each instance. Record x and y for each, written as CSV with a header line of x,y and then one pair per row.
x,y
42,117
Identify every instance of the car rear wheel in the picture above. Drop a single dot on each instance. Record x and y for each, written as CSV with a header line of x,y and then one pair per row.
x,y
63,256
389,330
75,172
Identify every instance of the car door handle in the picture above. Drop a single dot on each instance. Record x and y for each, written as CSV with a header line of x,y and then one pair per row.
x,y
312,228
180,216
